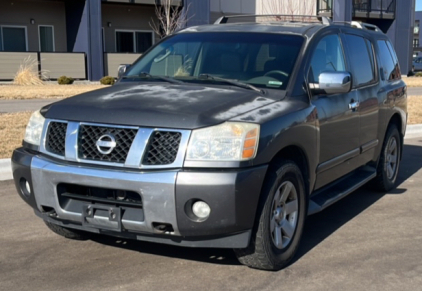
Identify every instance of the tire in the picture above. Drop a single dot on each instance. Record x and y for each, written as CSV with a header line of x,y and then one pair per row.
x,y
389,161
278,229
67,232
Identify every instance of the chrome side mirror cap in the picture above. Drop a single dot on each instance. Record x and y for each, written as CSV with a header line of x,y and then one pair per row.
x,y
122,70
333,83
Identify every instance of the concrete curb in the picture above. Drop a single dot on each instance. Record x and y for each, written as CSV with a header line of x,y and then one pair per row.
x,y
412,131
5,169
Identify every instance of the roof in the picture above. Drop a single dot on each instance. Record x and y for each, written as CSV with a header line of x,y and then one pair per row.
x,y
299,28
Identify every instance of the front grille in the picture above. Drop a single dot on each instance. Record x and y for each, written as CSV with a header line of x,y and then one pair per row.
x,y
89,135
56,138
162,148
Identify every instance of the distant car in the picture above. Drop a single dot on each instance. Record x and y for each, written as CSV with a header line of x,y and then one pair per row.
x,y
417,64
222,136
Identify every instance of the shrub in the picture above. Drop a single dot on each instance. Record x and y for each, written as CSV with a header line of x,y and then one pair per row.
x,y
107,80
28,74
63,80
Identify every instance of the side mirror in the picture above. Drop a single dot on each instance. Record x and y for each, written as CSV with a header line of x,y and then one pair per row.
x,y
122,70
333,83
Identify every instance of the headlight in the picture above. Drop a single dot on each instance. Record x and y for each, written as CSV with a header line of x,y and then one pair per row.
x,y
230,141
34,129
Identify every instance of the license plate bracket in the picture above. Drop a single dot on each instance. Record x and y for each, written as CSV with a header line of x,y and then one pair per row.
x,y
102,217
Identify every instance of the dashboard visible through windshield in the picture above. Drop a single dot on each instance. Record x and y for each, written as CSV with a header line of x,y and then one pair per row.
x,y
261,59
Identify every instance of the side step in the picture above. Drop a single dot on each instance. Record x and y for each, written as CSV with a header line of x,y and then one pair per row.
x,y
333,193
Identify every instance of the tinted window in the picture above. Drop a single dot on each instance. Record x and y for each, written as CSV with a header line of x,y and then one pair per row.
x,y
361,59
397,73
14,39
389,64
327,57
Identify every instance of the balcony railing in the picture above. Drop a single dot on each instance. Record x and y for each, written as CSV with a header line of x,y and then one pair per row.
x,y
362,8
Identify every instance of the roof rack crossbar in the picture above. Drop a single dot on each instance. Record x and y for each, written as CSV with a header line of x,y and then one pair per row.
x,y
224,19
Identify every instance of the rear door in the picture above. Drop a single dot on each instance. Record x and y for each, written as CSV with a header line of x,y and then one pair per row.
x,y
360,52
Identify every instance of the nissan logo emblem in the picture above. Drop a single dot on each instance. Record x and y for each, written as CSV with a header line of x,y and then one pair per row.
x,y
106,144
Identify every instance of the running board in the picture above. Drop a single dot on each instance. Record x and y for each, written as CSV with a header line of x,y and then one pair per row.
x,y
331,194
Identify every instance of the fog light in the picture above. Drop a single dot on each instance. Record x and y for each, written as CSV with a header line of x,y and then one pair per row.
x,y
201,209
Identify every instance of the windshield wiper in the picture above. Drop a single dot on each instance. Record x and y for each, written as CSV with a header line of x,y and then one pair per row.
x,y
230,81
145,75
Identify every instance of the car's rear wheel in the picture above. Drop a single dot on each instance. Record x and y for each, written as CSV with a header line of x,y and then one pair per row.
x,y
67,232
389,162
280,220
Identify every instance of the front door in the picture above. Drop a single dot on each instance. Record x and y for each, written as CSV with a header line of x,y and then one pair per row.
x,y
338,119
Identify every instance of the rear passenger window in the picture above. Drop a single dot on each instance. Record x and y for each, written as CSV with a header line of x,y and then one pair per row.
x,y
327,57
361,59
393,71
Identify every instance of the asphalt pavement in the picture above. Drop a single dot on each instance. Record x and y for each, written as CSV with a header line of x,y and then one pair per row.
x,y
7,106
367,241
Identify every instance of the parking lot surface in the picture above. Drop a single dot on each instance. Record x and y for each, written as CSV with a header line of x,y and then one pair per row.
x,y
367,241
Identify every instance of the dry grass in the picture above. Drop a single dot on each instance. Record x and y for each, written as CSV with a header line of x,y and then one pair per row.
x,y
12,126
12,131
44,91
27,74
415,109
413,81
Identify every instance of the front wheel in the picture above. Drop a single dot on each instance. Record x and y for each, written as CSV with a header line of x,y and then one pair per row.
x,y
280,220
389,161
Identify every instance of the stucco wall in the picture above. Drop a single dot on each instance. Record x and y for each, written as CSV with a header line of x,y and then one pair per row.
x,y
124,17
43,12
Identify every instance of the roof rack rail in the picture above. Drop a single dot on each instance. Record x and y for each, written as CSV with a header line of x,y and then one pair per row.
x,y
324,20
361,25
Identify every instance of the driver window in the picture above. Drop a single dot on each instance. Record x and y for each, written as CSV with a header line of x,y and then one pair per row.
x,y
327,57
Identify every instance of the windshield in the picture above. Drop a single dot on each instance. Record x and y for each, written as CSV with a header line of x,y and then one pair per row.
x,y
260,59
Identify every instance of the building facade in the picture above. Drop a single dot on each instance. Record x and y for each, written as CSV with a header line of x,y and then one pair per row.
x,y
87,39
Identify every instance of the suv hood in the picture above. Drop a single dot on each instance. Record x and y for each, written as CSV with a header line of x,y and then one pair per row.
x,y
187,106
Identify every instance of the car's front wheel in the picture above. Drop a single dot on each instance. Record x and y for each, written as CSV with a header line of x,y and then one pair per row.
x,y
67,232
280,220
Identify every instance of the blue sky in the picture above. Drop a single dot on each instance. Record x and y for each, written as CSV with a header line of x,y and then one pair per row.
x,y
418,5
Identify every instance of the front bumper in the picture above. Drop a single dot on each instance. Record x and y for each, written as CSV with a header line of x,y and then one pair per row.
x,y
232,195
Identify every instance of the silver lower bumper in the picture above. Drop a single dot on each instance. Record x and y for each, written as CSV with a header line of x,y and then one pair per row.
x,y
157,190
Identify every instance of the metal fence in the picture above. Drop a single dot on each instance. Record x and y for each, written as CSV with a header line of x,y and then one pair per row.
x,y
361,7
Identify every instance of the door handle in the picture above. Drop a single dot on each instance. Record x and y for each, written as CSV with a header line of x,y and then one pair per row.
x,y
354,105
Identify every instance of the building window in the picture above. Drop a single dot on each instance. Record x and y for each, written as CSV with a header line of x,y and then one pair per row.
x,y
46,34
133,41
415,42
416,28
13,38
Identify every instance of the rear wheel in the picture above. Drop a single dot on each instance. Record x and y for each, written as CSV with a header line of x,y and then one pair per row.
x,y
280,222
67,232
389,162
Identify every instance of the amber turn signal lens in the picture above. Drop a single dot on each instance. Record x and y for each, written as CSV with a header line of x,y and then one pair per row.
x,y
248,153
249,143
251,133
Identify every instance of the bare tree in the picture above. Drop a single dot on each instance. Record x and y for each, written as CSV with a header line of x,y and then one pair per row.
x,y
288,7
169,18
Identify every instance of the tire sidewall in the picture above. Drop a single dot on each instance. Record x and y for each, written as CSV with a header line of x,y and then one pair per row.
x,y
393,132
289,172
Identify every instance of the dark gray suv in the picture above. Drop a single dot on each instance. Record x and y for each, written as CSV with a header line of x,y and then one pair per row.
x,y
222,136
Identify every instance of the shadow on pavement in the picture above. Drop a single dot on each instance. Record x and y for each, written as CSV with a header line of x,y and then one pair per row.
x,y
317,229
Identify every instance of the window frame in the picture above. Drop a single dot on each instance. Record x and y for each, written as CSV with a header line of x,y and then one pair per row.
x,y
314,47
14,26
133,31
376,79
39,37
